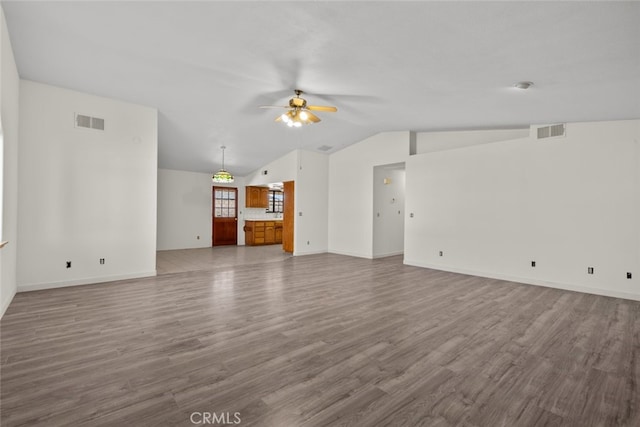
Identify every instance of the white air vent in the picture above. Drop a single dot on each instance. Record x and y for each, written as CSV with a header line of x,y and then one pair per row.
x,y
89,122
83,121
97,123
552,131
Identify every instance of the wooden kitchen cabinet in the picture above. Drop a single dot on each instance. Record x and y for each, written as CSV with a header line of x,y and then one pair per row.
x,y
262,232
278,232
257,197
269,233
253,233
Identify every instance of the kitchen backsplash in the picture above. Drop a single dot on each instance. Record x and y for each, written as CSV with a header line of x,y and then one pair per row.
x,y
260,213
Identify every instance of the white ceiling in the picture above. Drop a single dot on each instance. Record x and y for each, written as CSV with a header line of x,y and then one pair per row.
x,y
207,66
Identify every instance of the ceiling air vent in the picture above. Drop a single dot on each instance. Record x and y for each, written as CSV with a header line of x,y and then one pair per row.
x,y
89,122
552,131
324,148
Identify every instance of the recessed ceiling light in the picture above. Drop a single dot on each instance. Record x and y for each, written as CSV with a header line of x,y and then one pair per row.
x,y
523,85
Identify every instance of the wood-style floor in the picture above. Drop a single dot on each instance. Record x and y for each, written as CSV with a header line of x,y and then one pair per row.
x,y
319,340
180,261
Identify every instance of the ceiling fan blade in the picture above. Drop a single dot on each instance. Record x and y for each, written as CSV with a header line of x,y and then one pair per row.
x,y
322,108
273,106
312,117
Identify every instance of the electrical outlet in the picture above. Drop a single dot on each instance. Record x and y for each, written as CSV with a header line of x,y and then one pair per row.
x,y
68,264
441,253
307,242
411,215
533,263
590,270
101,261
197,237
628,275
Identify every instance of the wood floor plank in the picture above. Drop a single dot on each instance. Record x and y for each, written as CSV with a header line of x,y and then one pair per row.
x,y
317,340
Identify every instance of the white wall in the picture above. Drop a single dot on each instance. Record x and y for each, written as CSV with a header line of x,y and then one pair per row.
x,y
280,170
311,199
184,202
388,210
427,142
567,203
9,106
309,171
84,194
184,209
351,190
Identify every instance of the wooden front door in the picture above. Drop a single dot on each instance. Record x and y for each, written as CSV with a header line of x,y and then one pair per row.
x,y
288,217
224,229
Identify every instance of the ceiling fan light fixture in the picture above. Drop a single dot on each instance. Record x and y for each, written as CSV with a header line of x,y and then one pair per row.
x,y
222,176
299,113
295,118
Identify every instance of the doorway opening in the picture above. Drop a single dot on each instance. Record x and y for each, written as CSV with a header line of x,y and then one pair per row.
x,y
388,210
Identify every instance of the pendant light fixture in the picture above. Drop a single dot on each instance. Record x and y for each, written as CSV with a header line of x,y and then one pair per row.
x,y
222,176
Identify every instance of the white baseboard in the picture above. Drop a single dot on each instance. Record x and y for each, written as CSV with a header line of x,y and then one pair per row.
x,y
353,254
296,253
529,281
388,254
86,281
367,256
202,245
6,303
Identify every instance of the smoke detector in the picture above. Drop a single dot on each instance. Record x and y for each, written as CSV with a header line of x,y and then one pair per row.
x,y
523,85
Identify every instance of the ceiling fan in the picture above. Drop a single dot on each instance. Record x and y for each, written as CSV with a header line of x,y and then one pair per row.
x,y
299,112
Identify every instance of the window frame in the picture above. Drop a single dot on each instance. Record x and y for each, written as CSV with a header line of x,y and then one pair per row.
x,y
273,203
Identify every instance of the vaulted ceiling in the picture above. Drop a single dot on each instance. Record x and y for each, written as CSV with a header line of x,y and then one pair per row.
x,y
207,66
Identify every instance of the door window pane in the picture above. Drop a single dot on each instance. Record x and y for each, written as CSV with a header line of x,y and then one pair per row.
x,y
225,203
